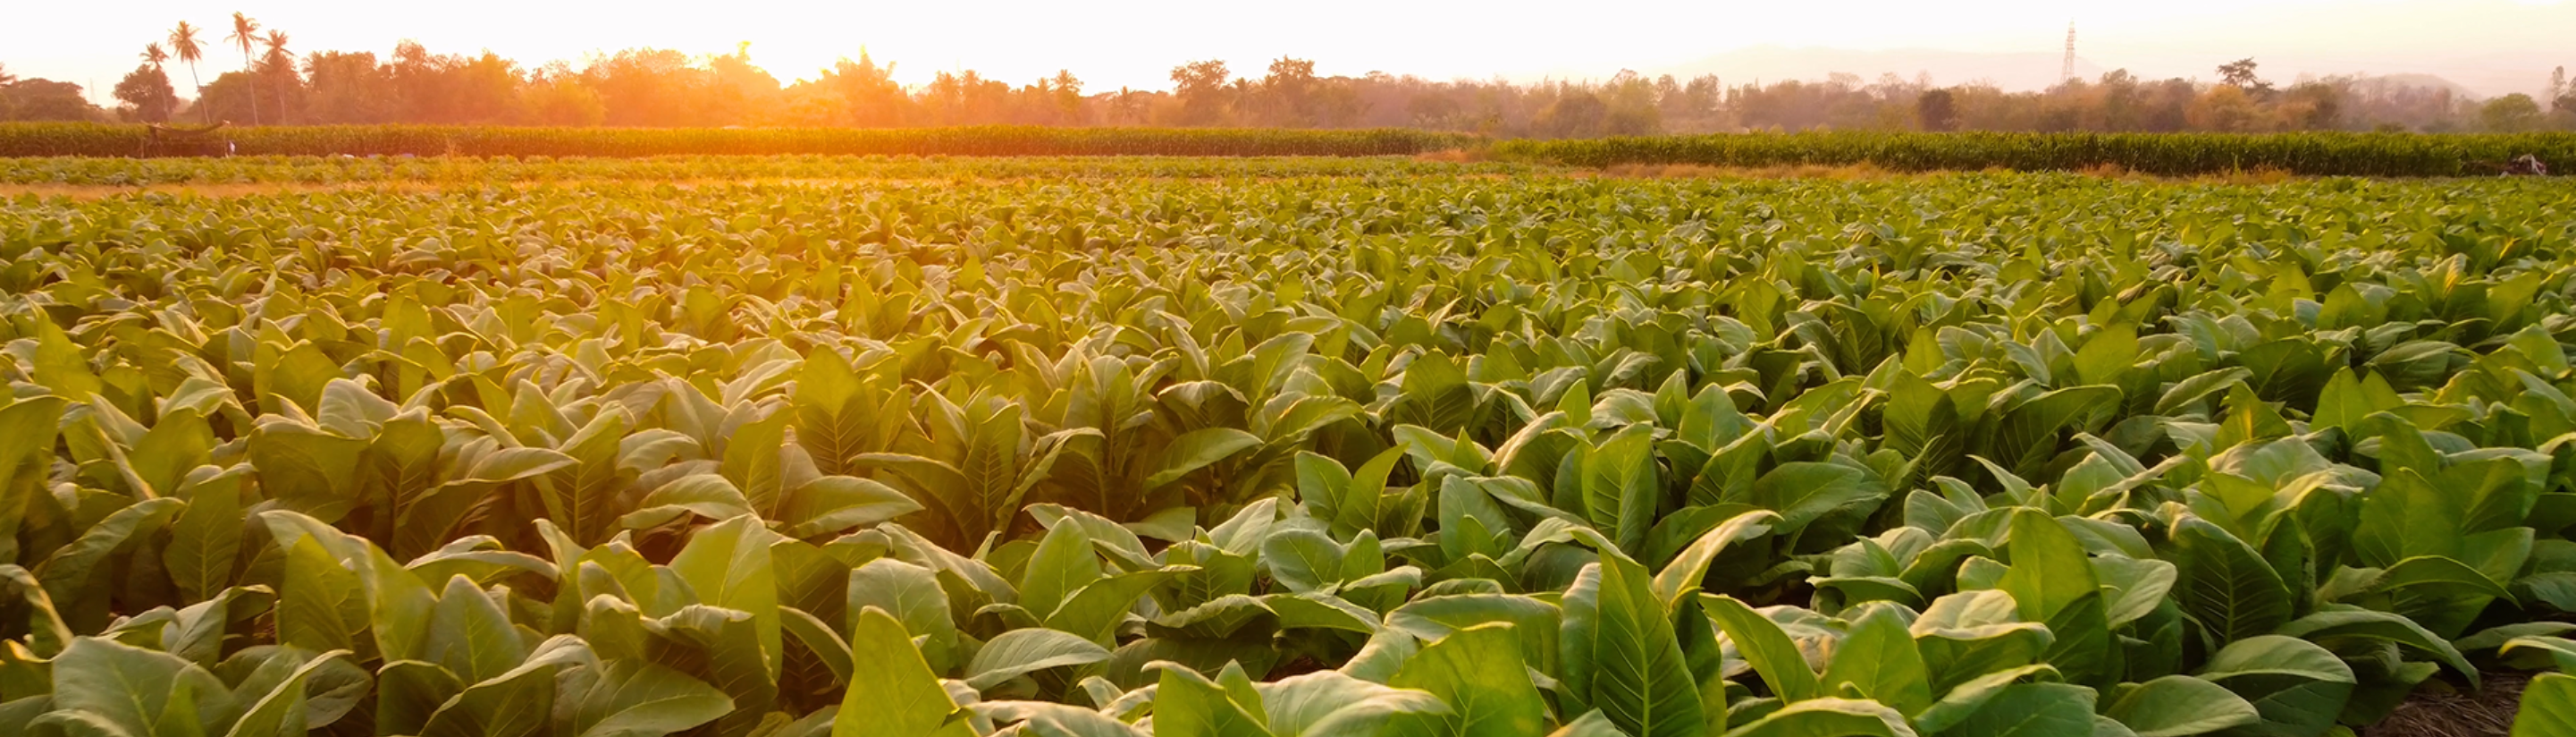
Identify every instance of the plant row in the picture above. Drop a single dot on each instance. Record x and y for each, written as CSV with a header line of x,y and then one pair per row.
x,y
94,139
443,170
2166,154
1980,455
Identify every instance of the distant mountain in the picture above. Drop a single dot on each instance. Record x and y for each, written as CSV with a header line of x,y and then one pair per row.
x,y
2425,81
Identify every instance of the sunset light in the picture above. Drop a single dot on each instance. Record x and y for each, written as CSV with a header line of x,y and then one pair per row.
x,y
1994,368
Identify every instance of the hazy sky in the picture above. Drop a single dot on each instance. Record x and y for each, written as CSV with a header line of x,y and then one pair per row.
x,y
2491,45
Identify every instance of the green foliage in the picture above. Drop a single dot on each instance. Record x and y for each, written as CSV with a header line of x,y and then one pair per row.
x,y
1385,452
96,139
2170,154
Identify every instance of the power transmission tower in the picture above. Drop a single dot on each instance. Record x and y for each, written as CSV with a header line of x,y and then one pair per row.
x,y
2066,72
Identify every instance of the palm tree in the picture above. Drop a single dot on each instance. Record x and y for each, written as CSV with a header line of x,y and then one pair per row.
x,y
245,33
183,41
153,55
277,56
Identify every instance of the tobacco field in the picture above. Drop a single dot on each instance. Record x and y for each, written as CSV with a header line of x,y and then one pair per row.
x,y
1275,450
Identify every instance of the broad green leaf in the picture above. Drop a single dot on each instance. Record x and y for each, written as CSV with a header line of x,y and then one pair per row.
x,y
1045,719
912,595
205,540
1062,565
1535,623
78,576
728,565
833,504
59,365
1803,492
818,637
1967,700
2548,707
1783,668
1876,660
625,698
1621,489
282,711
1023,651
1097,609
896,695
139,692
1327,703
1638,676
1302,560
1189,705
706,495
2222,584
2136,586
2031,710
2174,706
1478,672
1830,717
752,462
2028,435
2437,576
178,443
2051,580
517,702
319,604
1591,724
2109,354
2335,623
2050,570
828,422
469,634
1198,449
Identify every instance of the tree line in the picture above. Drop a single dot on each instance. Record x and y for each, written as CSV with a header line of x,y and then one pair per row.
x,y
274,85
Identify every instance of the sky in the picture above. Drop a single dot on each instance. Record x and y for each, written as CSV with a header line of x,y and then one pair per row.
x,y
2491,46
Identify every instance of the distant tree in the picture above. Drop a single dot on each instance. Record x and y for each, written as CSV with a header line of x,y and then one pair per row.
x,y
555,95
1630,99
739,90
868,93
229,96
1200,85
147,94
2120,101
1286,93
347,88
2309,106
1432,111
1937,110
246,34
2562,96
2225,109
2240,74
43,99
1574,114
648,87
281,69
2514,113
153,55
183,43
1337,102
1066,92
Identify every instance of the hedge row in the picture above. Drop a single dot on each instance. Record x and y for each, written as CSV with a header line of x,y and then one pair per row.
x,y
87,139
2321,154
